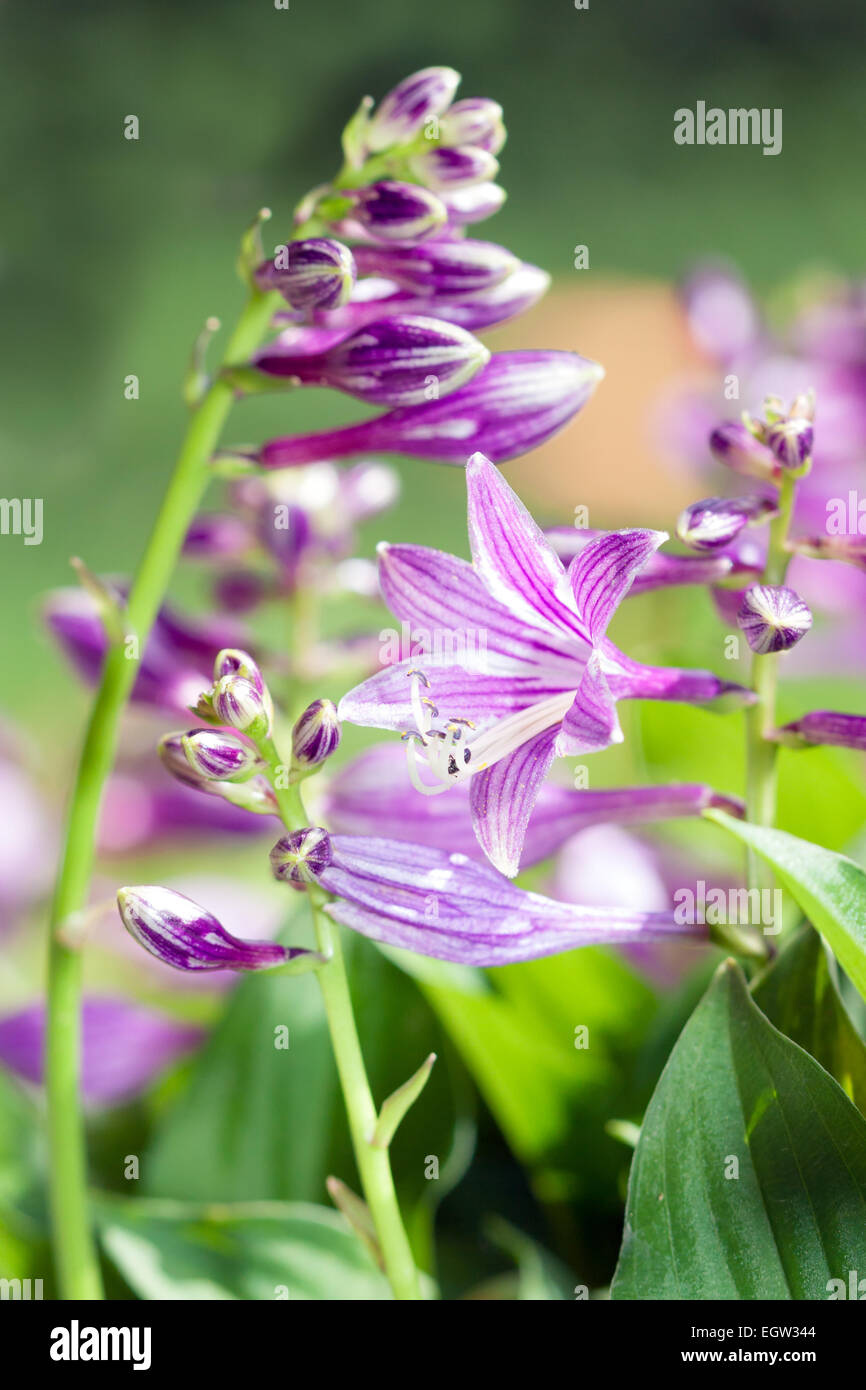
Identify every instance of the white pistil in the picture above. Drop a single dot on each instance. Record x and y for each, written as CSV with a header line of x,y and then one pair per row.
x,y
454,759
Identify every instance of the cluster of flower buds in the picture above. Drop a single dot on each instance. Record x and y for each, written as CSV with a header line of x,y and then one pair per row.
x,y
788,433
226,761
385,304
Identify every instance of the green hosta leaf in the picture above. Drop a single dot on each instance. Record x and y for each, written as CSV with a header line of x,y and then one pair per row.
x,y
799,996
255,1122
830,888
265,1250
737,1096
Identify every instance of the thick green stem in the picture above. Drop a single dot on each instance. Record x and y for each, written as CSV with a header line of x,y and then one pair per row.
x,y
374,1164
77,1264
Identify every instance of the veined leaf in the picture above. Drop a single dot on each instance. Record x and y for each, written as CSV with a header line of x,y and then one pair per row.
x,y
830,888
799,996
749,1179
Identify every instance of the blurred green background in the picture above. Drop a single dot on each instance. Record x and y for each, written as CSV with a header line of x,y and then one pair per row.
x,y
114,252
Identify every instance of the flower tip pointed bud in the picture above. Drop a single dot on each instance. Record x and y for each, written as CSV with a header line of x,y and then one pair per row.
x,y
315,736
238,703
474,121
773,618
300,857
181,934
402,114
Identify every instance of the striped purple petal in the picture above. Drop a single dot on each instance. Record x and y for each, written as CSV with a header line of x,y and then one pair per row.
x,y
503,798
508,408
446,906
604,571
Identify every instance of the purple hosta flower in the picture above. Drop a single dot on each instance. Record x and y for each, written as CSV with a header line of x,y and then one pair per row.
x,y
371,795
177,656
318,273
316,735
473,121
445,168
124,1047
399,361
391,211
440,268
403,113
447,906
180,933
664,571
826,726
465,206
716,521
722,316
732,444
510,407
219,756
543,682
217,536
773,618
301,857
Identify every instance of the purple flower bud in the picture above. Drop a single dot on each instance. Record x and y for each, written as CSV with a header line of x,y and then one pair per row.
x,y
401,115
737,448
217,536
773,618
791,441
473,121
473,204
513,404
255,794
180,933
391,211
460,166
318,273
220,757
714,523
300,857
825,726
849,549
315,735
232,661
238,703
395,361
443,268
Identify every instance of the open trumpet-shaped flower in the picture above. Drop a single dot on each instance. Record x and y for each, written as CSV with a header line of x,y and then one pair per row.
x,y
515,657
447,906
